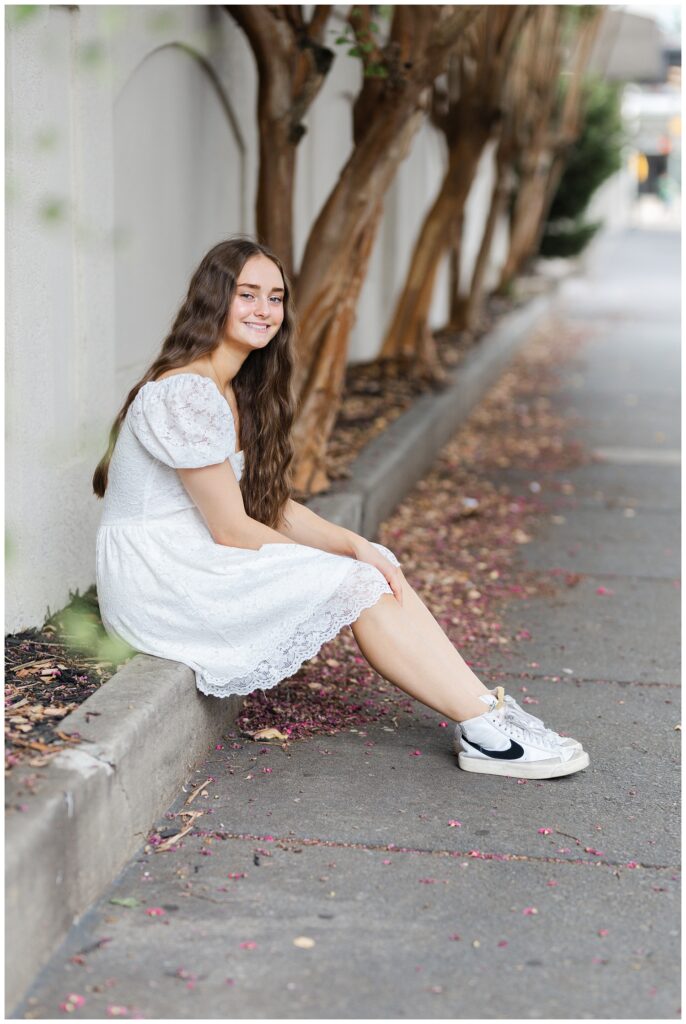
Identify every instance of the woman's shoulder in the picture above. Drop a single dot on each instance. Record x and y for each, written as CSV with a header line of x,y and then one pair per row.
x,y
182,419
189,370
177,386
190,378
180,390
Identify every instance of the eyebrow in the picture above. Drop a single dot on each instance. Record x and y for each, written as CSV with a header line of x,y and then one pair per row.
x,y
244,284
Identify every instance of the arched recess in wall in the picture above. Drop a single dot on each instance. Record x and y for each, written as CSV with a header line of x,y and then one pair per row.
x,y
179,187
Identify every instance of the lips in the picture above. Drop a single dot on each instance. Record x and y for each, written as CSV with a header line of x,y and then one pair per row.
x,y
257,327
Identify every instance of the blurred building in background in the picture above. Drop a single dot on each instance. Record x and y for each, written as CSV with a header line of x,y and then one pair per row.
x,y
642,51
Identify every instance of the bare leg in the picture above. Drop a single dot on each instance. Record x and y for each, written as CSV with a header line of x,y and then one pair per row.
x,y
406,645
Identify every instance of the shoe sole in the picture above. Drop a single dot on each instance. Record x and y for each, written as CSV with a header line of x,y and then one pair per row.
x,y
525,770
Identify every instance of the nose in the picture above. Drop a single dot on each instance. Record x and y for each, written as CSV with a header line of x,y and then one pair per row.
x,y
262,309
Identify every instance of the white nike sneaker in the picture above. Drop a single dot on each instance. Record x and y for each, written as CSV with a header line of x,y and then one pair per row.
x,y
496,744
522,717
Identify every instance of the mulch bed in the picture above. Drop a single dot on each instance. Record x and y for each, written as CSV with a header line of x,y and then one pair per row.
x,y
456,536
48,673
376,395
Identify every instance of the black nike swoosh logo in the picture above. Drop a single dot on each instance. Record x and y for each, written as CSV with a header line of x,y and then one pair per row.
x,y
512,753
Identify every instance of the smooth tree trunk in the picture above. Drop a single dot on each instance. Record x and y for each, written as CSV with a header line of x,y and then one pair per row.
x,y
328,290
409,340
467,111
551,137
570,120
471,304
386,117
454,274
528,211
292,63
327,374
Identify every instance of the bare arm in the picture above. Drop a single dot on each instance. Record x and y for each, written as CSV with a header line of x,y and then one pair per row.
x,y
217,494
303,526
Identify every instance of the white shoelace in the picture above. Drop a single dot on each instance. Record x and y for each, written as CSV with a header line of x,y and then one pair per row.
x,y
517,714
522,729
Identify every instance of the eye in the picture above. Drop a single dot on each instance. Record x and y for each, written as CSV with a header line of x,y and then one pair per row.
x,y
247,295
277,298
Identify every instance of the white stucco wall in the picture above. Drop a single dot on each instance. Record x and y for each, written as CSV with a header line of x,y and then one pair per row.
x,y
59,304
132,148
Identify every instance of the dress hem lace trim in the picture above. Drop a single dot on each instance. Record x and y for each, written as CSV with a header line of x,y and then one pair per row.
x,y
341,609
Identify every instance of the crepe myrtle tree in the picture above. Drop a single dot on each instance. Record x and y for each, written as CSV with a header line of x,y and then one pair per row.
x,y
400,60
292,63
518,108
553,123
469,112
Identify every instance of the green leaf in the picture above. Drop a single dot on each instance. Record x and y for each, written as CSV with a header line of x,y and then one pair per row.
x,y
17,13
53,210
343,39
126,901
91,53
47,138
355,51
366,47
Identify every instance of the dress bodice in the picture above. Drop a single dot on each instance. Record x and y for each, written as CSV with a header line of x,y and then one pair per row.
x,y
181,421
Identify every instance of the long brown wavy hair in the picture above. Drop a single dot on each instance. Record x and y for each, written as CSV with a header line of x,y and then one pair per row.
x,y
262,386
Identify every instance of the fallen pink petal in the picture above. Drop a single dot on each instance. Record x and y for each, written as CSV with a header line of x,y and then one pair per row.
x,y
155,912
72,1002
248,945
454,824
528,911
545,831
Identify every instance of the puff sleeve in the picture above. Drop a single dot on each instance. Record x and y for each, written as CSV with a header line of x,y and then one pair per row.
x,y
183,421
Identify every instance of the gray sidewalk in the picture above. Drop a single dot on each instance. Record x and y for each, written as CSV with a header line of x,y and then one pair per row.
x,y
345,844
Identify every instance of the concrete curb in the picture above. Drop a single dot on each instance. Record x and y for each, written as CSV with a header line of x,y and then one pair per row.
x,y
147,728
144,732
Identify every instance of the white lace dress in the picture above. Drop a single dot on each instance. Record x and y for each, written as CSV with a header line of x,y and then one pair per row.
x,y
242,619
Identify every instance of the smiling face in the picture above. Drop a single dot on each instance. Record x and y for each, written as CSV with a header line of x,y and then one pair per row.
x,y
256,311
